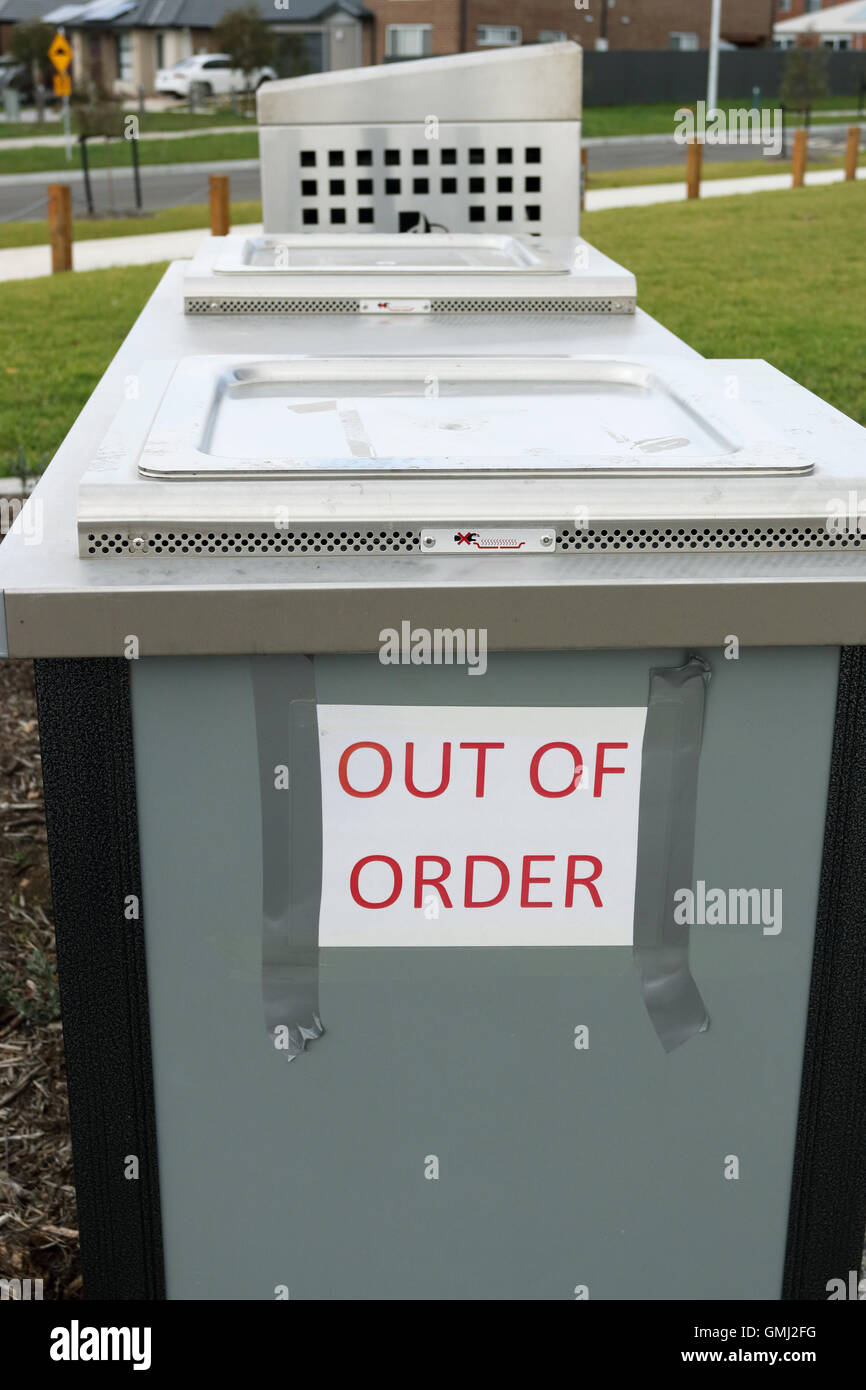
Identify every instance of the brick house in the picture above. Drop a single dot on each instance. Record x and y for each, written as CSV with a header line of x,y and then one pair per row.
x,y
122,43
423,28
839,27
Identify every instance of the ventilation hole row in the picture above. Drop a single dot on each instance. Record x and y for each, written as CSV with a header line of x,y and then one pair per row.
x,y
339,217
533,306
364,188
259,542
365,158
681,538
273,306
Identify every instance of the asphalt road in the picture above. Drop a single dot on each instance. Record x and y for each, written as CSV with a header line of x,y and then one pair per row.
x,y
22,195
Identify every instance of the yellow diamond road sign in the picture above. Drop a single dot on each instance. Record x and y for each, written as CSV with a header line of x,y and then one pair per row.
x,y
60,53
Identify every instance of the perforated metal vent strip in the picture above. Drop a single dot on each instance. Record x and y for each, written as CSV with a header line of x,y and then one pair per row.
x,y
718,538
621,305
333,541
273,306
262,542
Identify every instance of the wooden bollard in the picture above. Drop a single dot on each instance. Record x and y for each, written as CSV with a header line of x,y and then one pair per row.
x,y
584,174
60,226
852,152
220,207
694,167
801,154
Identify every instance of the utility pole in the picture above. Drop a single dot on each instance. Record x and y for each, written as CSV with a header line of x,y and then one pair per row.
x,y
713,78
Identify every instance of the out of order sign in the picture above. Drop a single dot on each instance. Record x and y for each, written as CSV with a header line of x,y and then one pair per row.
x,y
465,826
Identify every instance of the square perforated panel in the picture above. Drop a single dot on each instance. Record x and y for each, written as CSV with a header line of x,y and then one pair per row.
x,y
499,176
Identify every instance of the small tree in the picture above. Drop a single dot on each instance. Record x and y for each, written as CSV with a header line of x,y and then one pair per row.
x,y
804,79
246,38
293,57
98,112
30,45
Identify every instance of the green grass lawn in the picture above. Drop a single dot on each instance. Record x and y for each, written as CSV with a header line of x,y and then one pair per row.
x,y
59,334
774,275
658,118
180,219
235,144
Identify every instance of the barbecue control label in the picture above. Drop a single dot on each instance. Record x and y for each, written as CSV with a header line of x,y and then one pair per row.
x,y
470,540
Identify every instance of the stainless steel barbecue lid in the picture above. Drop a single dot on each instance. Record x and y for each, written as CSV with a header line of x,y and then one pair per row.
x,y
429,273
359,418
430,254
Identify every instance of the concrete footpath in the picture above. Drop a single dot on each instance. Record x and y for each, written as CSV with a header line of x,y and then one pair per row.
x,y
29,262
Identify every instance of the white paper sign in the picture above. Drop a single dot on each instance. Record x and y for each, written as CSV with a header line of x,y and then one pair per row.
x,y
477,826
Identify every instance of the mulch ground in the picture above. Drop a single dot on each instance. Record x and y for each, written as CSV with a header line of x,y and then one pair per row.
x,y
38,1225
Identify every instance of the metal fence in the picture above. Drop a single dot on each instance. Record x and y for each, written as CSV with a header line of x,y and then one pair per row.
x,y
631,76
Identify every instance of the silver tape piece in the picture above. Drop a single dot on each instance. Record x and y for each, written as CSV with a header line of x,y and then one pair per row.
x,y
287,733
666,843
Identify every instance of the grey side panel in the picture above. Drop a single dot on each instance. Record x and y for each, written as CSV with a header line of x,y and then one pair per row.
x,y
556,1166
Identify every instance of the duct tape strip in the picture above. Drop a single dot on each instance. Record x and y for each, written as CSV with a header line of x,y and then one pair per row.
x,y
291,795
666,842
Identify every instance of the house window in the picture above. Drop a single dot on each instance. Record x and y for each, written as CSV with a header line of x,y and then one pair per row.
x,y
160,50
499,35
812,6
785,6
840,43
124,57
408,40
684,42
551,35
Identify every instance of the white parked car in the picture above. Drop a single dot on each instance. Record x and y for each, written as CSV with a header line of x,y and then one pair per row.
x,y
210,74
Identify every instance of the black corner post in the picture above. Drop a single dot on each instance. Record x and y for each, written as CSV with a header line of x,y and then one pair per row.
x,y
85,724
828,1193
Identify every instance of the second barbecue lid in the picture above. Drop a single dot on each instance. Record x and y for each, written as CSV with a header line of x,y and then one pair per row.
x,y
429,254
266,417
